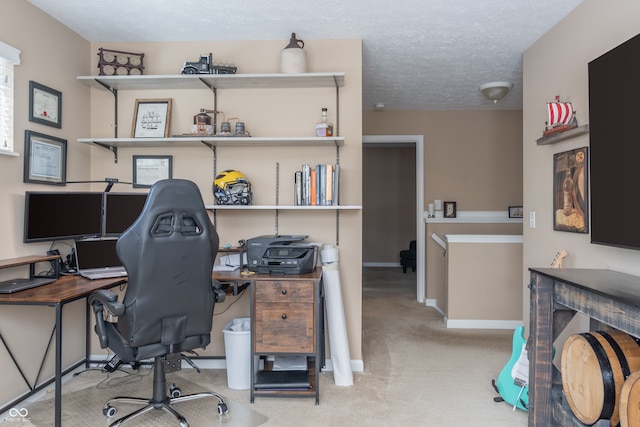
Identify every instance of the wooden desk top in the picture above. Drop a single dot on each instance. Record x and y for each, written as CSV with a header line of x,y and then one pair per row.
x,y
235,276
24,260
65,289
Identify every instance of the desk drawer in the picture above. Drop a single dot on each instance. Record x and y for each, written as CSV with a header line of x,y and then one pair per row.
x,y
284,291
284,328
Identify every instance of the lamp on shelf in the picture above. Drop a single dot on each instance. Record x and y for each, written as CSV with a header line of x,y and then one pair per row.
x,y
495,91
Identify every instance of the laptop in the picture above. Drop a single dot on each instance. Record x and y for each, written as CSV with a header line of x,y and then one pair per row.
x,y
97,259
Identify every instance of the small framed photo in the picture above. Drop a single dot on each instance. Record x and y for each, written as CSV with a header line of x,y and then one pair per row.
x,y
515,211
449,209
45,159
151,118
45,105
147,170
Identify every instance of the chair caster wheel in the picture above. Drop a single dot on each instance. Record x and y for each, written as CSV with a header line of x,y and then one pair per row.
x,y
222,408
109,411
175,391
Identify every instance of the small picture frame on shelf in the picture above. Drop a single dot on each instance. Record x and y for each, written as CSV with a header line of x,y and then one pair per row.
x,y
147,170
45,159
515,211
45,105
151,118
449,209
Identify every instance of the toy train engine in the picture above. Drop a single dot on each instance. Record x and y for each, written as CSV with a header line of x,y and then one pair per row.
x,y
205,66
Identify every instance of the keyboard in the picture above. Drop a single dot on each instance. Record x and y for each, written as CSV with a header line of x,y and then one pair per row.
x,y
17,285
104,273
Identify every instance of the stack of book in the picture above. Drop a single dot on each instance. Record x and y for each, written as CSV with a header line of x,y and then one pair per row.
x,y
317,186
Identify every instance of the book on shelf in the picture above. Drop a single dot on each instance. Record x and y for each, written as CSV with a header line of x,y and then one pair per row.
x,y
317,186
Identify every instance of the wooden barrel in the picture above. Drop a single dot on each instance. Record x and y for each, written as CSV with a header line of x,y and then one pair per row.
x,y
629,401
594,367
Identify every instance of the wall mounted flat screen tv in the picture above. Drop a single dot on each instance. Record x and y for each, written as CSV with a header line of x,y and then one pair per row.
x,y
614,133
53,215
120,211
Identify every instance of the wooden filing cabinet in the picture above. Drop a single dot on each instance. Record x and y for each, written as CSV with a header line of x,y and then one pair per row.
x,y
288,319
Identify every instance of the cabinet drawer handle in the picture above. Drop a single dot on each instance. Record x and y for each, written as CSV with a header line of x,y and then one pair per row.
x,y
284,292
284,317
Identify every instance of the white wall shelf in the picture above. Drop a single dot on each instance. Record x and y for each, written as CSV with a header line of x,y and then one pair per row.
x,y
280,207
217,81
474,217
213,82
213,141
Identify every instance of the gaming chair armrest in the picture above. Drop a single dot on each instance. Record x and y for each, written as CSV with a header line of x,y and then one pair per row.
x,y
219,294
99,300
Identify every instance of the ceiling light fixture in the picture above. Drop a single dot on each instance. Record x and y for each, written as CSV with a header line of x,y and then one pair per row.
x,y
379,106
495,91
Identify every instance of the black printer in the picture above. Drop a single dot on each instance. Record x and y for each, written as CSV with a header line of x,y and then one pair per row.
x,y
281,254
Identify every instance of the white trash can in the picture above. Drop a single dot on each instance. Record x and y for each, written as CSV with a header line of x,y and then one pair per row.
x,y
237,349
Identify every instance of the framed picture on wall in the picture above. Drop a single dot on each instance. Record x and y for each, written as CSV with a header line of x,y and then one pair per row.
x,y
570,191
45,159
449,209
147,170
151,118
45,105
515,211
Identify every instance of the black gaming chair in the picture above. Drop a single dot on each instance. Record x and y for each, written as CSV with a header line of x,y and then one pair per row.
x,y
167,308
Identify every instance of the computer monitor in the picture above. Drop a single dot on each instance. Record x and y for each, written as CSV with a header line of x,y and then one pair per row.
x,y
58,215
120,211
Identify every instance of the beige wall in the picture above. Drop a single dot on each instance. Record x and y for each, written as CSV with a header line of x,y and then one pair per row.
x,y
54,56
388,202
592,29
51,55
436,274
266,112
477,292
471,157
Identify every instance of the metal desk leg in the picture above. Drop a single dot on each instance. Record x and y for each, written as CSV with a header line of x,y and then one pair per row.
x,y
58,391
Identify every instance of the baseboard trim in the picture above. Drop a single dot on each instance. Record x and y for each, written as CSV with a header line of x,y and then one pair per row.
x,y
432,302
381,264
356,366
482,324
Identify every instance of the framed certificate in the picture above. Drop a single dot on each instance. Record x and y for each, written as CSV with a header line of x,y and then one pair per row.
x,y
147,170
45,105
45,159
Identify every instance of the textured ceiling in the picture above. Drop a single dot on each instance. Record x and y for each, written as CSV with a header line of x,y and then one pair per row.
x,y
417,54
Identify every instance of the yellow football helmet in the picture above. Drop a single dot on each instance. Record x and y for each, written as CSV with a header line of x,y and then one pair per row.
x,y
231,187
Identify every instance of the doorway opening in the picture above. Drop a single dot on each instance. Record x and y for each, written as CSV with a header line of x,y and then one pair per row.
x,y
416,141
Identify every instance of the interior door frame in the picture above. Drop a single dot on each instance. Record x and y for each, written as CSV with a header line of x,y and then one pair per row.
x,y
418,141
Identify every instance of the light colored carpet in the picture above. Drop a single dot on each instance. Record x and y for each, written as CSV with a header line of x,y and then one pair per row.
x,y
85,395
417,373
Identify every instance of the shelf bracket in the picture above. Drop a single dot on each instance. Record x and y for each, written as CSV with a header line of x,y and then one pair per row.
x,y
114,92
215,102
111,148
215,173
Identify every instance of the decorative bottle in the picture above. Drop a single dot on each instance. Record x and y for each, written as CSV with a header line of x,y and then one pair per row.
x,y
567,188
324,128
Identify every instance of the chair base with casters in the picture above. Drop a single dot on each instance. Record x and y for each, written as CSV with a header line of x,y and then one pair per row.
x,y
408,257
163,398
